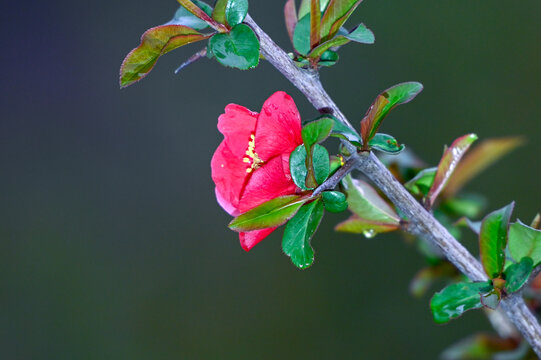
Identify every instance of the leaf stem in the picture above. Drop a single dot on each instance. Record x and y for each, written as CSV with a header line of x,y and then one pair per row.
x,y
421,222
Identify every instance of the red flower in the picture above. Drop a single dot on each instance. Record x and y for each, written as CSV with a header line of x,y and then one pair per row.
x,y
251,165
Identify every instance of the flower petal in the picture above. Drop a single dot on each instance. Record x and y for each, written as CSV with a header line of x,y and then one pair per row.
x,y
229,175
250,239
237,124
266,183
278,128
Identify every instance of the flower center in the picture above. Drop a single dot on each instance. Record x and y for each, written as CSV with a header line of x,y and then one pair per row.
x,y
252,157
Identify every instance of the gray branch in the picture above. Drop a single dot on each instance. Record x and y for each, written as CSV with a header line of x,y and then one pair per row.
x,y
421,222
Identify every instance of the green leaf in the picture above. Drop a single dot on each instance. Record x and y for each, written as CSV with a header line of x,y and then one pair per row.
x,y
154,43
518,274
336,14
218,13
386,143
345,132
360,34
421,183
334,201
448,163
469,205
322,163
385,102
329,58
299,232
372,215
238,49
297,166
304,9
186,18
317,131
525,241
425,278
478,159
493,240
456,299
272,213
301,36
236,11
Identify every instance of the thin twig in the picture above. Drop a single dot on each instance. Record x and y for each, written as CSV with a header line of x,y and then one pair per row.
x,y
422,223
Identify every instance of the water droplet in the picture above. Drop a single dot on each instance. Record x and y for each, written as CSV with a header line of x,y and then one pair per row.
x,y
369,234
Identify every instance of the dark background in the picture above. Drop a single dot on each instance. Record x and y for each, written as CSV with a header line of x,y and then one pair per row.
x,y
111,243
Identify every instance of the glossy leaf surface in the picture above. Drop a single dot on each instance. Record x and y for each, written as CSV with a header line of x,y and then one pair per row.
x,y
360,34
385,102
448,163
386,143
236,11
525,241
238,48
297,166
517,274
186,18
422,182
201,14
456,299
317,131
334,201
154,43
301,36
345,132
320,164
478,159
298,234
336,14
493,240
273,213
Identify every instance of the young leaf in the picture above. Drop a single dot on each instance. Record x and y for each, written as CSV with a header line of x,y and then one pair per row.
x,y
525,241
329,58
372,214
154,43
336,14
197,11
218,13
290,15
186,18
342,131
299,232
448,163
334,201
386,143
491,299
236,11
360,34
478,159
517,275
456,299
239,48
420,185
272,213
536,222
315,23
385,102
493,240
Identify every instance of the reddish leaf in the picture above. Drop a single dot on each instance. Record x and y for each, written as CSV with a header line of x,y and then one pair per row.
x,y
536,222
154,43
338,11
315,23
290,15
370,124
194,9
448,163
481,157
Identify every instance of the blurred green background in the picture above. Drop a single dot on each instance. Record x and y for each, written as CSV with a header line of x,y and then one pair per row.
x,y
111,243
